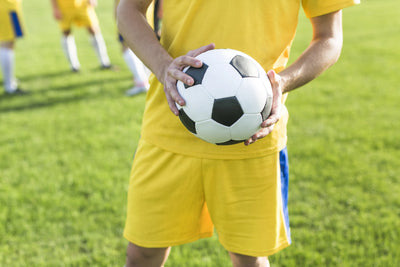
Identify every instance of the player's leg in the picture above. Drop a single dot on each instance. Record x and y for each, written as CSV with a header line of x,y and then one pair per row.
x,y
69,46
137,256
11,29
67,39
99,46
165,203
137,69
7,65
239,260
90,20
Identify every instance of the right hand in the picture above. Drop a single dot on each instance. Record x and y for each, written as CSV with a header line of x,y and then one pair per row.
x,y
174,73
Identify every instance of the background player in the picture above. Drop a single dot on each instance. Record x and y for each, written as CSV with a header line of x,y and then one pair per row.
x,y
82,14
137,68
11,28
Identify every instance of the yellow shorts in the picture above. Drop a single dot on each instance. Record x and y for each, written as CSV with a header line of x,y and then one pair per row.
x,y
84,16
175,199
11,23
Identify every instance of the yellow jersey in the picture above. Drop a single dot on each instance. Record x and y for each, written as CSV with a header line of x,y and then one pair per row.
x,y
262,29
72,4
9,4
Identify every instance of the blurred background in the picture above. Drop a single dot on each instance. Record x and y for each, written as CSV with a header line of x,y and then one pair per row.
x,y
66,150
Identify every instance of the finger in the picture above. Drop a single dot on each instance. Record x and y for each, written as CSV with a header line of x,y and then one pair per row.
x,y
186,60
273,117
200,50
179,75
272,76
172,106
260,134
276,99
169,93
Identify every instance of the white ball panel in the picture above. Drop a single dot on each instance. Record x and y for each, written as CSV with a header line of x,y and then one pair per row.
x,y
213,132
222,80
249,88
246,126
199,103
217,56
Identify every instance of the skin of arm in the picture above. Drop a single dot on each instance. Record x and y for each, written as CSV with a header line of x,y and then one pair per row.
x,y
323,51
56,10
140,37
93,3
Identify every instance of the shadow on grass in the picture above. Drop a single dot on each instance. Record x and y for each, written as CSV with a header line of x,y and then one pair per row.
x,y
43,98
49,75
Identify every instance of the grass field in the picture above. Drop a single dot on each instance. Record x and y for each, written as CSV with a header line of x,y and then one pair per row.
x,y
66,151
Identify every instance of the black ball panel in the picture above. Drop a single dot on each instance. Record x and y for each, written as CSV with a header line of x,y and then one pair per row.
x,y
187,122
197,74
244,66
265,112
230,142
226,111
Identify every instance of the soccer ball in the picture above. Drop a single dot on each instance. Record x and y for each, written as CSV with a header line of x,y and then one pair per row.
x,y
230,98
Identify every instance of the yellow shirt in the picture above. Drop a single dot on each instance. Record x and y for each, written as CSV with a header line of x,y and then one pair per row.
x,y
72,4
262,29
9,4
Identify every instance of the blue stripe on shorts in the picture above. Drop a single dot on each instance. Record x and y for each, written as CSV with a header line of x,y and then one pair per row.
x,y
120,38
284,163
16,24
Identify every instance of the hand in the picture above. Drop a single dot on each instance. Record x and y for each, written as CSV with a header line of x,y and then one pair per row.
x,y
93,3
174,73
57,14
268,125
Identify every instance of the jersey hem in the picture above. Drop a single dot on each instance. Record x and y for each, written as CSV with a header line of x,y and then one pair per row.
x,y
157,244
332,8
256,253
199,154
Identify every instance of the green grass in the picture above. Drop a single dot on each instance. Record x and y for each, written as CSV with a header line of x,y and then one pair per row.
x,y
66,152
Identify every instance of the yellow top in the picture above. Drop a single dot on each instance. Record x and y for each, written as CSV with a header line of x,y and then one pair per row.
x,y
10,4
72,4
262,29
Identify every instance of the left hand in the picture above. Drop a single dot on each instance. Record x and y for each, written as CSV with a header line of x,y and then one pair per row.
x,y
93,3
268,125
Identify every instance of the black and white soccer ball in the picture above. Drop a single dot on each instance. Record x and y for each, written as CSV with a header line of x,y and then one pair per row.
x,y
230,98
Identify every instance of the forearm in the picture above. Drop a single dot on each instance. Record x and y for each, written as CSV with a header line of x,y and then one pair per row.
x,y
54,5
141,38
323,51
319,56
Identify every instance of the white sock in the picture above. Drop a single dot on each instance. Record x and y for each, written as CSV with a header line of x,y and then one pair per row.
x,y
69,46
101,49
7,67
136,66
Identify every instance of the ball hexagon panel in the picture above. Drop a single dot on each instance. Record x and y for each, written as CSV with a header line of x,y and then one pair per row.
x,y
248,88
221,80
199,103
246,126
207,130
226,110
